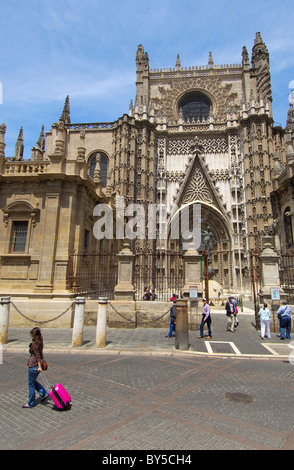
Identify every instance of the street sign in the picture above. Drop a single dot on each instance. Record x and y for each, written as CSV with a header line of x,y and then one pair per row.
x,y
193,291
275,293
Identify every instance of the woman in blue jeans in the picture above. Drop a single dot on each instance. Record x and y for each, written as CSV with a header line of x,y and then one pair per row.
x,y
34,365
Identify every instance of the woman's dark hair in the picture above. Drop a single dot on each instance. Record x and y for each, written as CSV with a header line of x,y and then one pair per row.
x,y
37,336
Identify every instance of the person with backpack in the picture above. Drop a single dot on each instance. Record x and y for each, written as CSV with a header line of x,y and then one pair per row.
x,y
284,315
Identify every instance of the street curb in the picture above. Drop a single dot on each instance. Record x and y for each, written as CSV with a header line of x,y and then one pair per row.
x,y
138,352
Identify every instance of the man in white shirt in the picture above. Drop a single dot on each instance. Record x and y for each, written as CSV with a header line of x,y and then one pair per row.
x,y
206,318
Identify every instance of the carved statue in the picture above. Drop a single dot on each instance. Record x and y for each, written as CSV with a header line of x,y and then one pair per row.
x,y
208,241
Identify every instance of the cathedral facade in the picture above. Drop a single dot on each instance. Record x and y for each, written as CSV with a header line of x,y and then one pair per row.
x,y
200,135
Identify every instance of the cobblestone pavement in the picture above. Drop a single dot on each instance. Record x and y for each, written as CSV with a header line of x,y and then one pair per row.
x,y
231,392
140,402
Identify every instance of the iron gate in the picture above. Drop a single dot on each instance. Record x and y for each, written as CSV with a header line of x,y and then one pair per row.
x,y
160,271
287,274
92,274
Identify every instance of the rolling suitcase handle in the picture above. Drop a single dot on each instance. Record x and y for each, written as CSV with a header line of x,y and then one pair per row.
x,y
46,383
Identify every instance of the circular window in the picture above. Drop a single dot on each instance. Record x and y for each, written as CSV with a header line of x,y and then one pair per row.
x,y
195,105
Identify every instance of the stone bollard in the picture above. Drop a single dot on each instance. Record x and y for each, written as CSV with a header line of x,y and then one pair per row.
x,y
78,327
101,322
182,335
4,318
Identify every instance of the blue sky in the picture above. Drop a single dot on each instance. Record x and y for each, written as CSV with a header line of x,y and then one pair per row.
x,y
86,49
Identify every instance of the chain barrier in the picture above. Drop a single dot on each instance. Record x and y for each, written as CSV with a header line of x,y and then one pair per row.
x,y
63,313
135,321
44,321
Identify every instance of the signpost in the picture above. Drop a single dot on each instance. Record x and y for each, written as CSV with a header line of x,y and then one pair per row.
x,y
193,292
275,293
193,295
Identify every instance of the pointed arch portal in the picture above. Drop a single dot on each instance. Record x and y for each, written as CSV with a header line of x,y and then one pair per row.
x,y
221,260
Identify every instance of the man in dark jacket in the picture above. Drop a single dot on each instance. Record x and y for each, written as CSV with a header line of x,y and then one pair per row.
x,y
172,327
284,314
230,312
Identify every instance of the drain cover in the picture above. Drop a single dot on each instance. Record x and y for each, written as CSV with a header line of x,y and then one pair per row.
x,y
239,397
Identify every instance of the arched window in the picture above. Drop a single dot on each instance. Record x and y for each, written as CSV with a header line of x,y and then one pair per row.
x,y
20,218
103,166
195,105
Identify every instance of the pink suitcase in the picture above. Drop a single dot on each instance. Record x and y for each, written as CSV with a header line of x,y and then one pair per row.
x,y
58,394
60,397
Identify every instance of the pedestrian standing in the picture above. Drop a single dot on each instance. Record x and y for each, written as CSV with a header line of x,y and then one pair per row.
x,y
284,315
206,318
234,301
35,367
265,320
147,294
172,326
230,312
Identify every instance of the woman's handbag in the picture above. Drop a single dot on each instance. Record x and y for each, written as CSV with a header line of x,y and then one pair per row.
x,y
44,364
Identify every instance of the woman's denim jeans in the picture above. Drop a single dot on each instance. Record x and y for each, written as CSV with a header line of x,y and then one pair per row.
x,y
34,385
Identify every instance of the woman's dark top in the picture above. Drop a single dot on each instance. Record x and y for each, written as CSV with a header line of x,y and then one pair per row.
x,y
36,354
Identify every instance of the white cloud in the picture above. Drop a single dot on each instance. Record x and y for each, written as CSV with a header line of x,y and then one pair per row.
x,y
54,87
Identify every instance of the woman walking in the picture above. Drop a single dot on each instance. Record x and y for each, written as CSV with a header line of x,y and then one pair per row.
x,y
265,319
35,367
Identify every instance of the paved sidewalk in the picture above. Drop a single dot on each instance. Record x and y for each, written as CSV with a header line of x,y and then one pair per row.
x,y
140,393
245,342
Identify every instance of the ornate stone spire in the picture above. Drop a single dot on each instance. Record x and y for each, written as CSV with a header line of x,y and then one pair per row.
x,y
210,60
65,117
40,145
178,62
2,140
259,52
261,67
142,57
19,147
258,39
290,119
39,149
245,58
142,63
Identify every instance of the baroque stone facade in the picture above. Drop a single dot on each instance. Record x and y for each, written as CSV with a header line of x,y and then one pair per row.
x,y
202,134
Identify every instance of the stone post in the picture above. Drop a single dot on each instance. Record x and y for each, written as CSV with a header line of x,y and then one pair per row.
x,y
101,322
124,290
192,261
78,327
270,278
182,335
4,319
